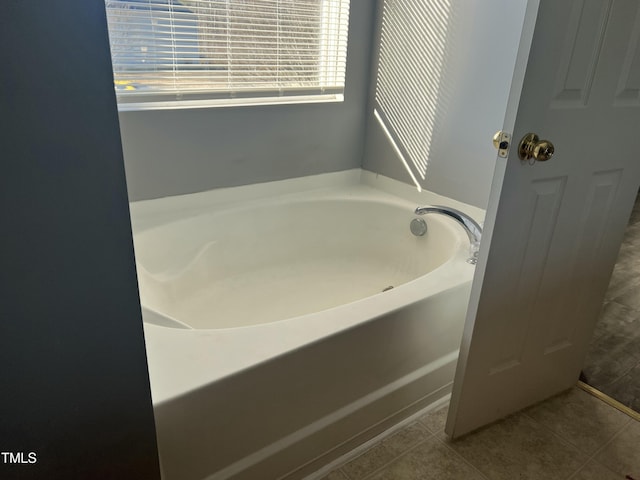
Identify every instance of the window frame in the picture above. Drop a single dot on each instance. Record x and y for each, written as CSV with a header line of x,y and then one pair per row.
x,y
335,12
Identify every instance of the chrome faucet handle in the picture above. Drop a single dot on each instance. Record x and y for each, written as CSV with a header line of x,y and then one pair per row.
x,y
471,227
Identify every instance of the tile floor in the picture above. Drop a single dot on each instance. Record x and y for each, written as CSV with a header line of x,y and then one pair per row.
x,y
613,362
571,436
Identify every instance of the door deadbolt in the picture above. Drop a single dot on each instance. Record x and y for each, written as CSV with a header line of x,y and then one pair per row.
x,y
532,148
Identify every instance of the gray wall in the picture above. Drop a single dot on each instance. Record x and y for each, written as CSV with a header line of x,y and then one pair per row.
x,y
174,152
474,88
75,388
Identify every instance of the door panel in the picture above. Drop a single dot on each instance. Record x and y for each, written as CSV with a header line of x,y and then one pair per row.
x,y
545,197
557,225
628,92
580,52
562,324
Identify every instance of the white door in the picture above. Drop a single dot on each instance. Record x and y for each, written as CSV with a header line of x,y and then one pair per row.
x,y
553,228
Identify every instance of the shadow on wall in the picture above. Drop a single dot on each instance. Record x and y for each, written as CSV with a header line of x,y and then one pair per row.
x,y
461,86
411,96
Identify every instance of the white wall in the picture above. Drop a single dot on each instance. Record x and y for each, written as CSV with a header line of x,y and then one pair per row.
x,y
183,151
481,47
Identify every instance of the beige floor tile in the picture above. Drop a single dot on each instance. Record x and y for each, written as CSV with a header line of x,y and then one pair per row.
x,y
595,471
519,448
335,475
580,418
430,460
434,421
622,455
384,452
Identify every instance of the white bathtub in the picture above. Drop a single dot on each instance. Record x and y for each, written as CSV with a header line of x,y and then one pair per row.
x,y
272,346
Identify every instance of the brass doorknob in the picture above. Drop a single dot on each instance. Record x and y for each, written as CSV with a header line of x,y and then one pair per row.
x,y
531,147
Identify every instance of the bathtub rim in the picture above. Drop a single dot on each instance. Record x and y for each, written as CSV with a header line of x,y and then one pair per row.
x,y
183,360
364,197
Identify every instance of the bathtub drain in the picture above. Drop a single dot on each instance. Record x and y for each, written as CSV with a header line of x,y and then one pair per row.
x,y
388,288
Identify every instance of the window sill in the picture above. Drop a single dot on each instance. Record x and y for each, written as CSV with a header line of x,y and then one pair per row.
x,y
129,106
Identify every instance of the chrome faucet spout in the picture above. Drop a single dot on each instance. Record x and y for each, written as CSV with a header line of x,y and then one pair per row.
x,y
471,227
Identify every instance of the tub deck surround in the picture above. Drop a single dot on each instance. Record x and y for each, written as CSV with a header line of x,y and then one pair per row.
x,y
279,396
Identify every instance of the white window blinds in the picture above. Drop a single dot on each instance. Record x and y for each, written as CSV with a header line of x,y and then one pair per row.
x,y
199,50
409,93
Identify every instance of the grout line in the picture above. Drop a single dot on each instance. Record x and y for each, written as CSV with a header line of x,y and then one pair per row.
x,y
344,474
361,449
462,457
609,401
574,474
612,382
569,443
619,303
565,441
606,444
397,457
427,435
592,456
457,455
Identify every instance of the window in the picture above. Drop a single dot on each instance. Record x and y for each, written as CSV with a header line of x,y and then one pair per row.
x,y
175,53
